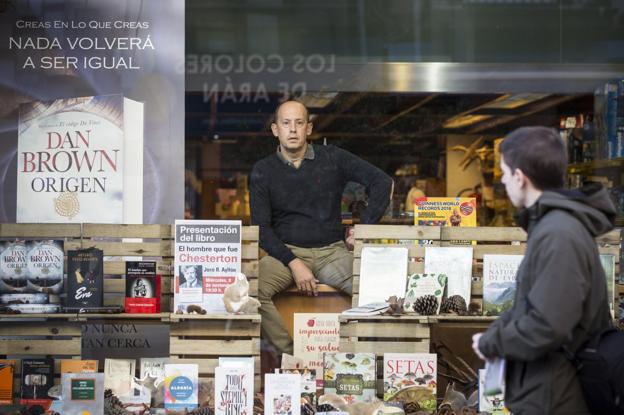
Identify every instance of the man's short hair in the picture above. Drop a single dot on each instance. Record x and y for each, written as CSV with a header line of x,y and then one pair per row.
x,y
274,120
540,153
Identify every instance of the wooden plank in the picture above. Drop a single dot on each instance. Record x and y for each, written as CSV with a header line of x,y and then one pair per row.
x,y
161,248
384,347
216,328
250,233
396,232
480,250
250,269
39,230
476,289
207,366
179,346
250,251
44,328
41,347
611,238
223,316
4,318
121,316
483,233
95,230
411,318
463,319
253,287
414,251
381,330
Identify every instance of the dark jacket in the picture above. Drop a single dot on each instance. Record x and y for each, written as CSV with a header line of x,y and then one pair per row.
x,y
561,296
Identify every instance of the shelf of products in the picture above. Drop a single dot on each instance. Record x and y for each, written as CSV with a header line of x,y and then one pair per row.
x,y
589,166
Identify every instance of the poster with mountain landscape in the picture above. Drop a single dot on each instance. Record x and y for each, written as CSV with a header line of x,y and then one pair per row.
x,y
499,282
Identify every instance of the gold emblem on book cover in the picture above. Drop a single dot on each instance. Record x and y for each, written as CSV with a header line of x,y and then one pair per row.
x,y
67,204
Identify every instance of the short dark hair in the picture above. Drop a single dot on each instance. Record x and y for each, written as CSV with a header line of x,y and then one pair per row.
x,y
274,120
540,154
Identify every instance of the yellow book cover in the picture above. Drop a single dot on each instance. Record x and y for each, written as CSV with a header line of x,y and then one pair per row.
x,y
78,366
7,367
445,211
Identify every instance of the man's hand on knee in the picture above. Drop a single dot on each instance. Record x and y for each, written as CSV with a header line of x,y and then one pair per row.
x,y
303,276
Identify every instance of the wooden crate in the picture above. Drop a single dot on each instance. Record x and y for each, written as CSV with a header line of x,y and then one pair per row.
x,y
53,335
122,243
384,334
194,339
488,240
202,339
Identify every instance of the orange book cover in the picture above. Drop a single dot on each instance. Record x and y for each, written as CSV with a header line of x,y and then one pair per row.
x,y
7,367
78,366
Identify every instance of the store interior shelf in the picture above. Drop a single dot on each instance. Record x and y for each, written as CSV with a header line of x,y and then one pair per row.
x,y
595,164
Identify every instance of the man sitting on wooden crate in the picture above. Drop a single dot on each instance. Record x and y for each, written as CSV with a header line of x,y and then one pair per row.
x,y
562,293
295,200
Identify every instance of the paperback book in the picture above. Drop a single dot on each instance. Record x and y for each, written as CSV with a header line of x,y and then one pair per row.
x,y
351,375
7,369
414,371
118,375
234,390
181,386
142,287
79,366
456,264
308,383
85,278
153,367
492,404
314,335
499,282
83,393
370,309
383,273
13,267
282,394
44,262
420,285
37,379
608,264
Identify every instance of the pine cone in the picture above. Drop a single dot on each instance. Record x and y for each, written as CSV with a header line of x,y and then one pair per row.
x,y
426,305
455,304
